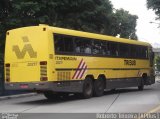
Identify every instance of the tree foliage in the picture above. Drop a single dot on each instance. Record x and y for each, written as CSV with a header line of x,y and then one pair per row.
x,y
86,15
155,6
158,62
123,24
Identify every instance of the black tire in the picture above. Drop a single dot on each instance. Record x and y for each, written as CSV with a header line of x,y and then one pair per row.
x,y
87,88
64,95
51,96
141,86
99,87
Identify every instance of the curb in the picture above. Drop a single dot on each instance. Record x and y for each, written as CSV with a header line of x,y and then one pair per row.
x,y
17,96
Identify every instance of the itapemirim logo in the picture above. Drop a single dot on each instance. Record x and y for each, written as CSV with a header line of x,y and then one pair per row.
x,y
26,48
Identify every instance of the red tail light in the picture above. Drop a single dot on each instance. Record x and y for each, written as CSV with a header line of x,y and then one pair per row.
x,y
24,86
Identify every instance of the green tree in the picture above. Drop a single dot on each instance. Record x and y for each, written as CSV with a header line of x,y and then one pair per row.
x,y
4,12
158,62
124,24
155,6
87,15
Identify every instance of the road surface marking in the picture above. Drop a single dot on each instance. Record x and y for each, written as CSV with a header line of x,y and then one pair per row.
x,y
155,109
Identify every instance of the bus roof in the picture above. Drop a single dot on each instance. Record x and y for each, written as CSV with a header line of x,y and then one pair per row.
x,y
88,35
96,36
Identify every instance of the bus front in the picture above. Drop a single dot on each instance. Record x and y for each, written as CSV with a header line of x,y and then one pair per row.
x,y
27,57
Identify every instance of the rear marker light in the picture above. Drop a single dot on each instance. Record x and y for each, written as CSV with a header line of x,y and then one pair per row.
x,y
44,78
43,63
43,71
7,72
7,65
8,80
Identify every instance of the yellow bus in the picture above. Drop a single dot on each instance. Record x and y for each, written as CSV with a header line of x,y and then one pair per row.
x,y
57,61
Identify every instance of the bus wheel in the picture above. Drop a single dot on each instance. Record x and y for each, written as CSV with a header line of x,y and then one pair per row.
x,y
51,96
87,88
141,86
98,87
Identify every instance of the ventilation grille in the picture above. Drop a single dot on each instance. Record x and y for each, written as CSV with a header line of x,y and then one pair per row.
x,y
63,76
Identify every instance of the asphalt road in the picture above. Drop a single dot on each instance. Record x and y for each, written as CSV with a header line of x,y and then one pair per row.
x,y
120,101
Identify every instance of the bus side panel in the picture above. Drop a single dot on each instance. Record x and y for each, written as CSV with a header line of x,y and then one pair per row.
x,y
112,68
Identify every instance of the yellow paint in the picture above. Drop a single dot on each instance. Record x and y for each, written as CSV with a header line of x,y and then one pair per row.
x,y
27,69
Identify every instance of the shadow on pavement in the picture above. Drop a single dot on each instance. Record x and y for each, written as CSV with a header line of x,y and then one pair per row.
x,y
73,97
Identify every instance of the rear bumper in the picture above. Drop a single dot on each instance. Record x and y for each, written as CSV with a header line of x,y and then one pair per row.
x,y
65,86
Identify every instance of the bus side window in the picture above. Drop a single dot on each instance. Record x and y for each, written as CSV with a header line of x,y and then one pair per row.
x,y
82,46
138,52
87,46
133,52
108,52
144,52
113,48
63,44
97,47
124,50
104,47
87,49
78,45
58,43
141,52
68,43
78,49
